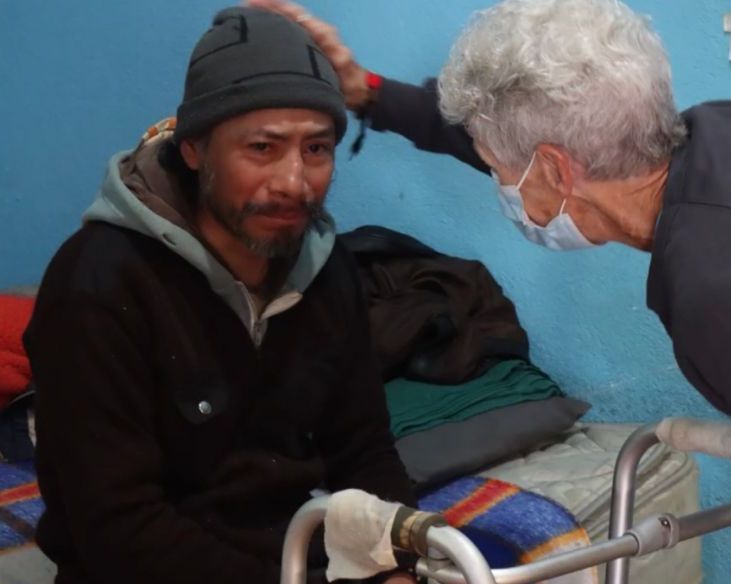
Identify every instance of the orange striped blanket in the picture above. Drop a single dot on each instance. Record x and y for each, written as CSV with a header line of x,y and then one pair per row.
x,y
509,525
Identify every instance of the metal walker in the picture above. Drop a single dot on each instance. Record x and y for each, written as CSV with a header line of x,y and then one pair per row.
x,y
449,557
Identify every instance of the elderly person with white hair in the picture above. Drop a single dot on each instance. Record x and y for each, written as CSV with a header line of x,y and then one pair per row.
x,y
568,104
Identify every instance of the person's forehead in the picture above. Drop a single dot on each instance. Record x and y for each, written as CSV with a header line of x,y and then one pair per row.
x,y
279,121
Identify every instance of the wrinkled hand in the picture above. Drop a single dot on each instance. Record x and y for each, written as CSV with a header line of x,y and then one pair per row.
x,y
352,76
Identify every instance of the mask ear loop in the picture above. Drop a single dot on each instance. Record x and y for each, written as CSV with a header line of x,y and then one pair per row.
x,y
527,171
563,206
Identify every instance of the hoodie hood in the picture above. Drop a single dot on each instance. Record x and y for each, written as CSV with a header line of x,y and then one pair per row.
x,y
138,194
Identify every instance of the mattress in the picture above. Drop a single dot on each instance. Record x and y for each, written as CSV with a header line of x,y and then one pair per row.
x,y
577,472
26,565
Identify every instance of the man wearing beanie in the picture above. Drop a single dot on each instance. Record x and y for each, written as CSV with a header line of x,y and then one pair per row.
x,y
200,345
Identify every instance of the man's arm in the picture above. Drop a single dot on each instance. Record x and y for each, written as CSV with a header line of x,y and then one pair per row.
x,y
355,437
409,110
97,433
413,112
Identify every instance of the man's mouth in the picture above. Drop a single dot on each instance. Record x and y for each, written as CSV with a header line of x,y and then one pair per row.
x,y
286,214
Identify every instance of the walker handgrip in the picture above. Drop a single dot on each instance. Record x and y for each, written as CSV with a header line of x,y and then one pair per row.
x,y
410,526
689,435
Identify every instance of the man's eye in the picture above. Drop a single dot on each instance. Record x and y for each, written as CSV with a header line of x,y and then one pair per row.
x,y
260,146
319,148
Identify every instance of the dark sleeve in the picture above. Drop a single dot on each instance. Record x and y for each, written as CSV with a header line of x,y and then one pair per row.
x,y
96,431
356,437
698,286
413,112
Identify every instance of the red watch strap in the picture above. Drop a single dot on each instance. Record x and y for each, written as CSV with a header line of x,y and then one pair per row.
x,y
373,81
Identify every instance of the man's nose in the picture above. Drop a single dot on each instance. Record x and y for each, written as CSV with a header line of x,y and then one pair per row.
x,y
288,179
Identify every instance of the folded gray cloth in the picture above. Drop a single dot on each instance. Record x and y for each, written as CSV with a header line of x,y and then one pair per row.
x,y
444,452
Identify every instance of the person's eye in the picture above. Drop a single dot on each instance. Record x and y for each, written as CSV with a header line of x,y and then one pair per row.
x,y
260,146
320,148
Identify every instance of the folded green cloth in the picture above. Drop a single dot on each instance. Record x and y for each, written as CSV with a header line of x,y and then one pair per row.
x,y
417,406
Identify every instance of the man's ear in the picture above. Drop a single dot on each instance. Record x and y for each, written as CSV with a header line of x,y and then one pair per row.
x,y
557,168
485,154
191,154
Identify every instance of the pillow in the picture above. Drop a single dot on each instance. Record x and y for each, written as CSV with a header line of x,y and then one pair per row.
x,y
15,373
444,452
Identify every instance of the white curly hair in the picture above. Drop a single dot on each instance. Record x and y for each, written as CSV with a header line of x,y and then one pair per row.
x,y
588,75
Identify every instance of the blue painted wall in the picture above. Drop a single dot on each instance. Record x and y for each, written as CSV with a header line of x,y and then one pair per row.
x,y
80,80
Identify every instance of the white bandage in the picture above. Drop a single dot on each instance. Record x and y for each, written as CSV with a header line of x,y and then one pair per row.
x,y
358,535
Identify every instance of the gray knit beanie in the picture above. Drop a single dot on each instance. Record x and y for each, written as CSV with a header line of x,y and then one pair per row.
x,y
253,59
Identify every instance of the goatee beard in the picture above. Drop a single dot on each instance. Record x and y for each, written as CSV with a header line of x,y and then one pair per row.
x,y
283,245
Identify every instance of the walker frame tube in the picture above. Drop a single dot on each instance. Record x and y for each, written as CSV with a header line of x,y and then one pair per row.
x,y
297,541
623,494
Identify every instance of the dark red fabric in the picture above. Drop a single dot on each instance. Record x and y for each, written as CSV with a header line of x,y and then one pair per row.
x,y
15,312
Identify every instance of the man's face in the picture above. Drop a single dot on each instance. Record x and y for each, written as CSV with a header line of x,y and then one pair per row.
x,y
264,176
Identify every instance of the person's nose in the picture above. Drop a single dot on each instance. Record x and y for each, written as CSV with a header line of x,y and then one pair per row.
x,y
289,178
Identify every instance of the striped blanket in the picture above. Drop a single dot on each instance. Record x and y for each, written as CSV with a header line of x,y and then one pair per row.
x,y
510,526
20,505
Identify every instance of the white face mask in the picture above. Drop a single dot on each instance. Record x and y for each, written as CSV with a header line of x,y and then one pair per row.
x,y
561,232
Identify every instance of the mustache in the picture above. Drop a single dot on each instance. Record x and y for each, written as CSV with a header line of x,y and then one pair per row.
x,y
314,210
